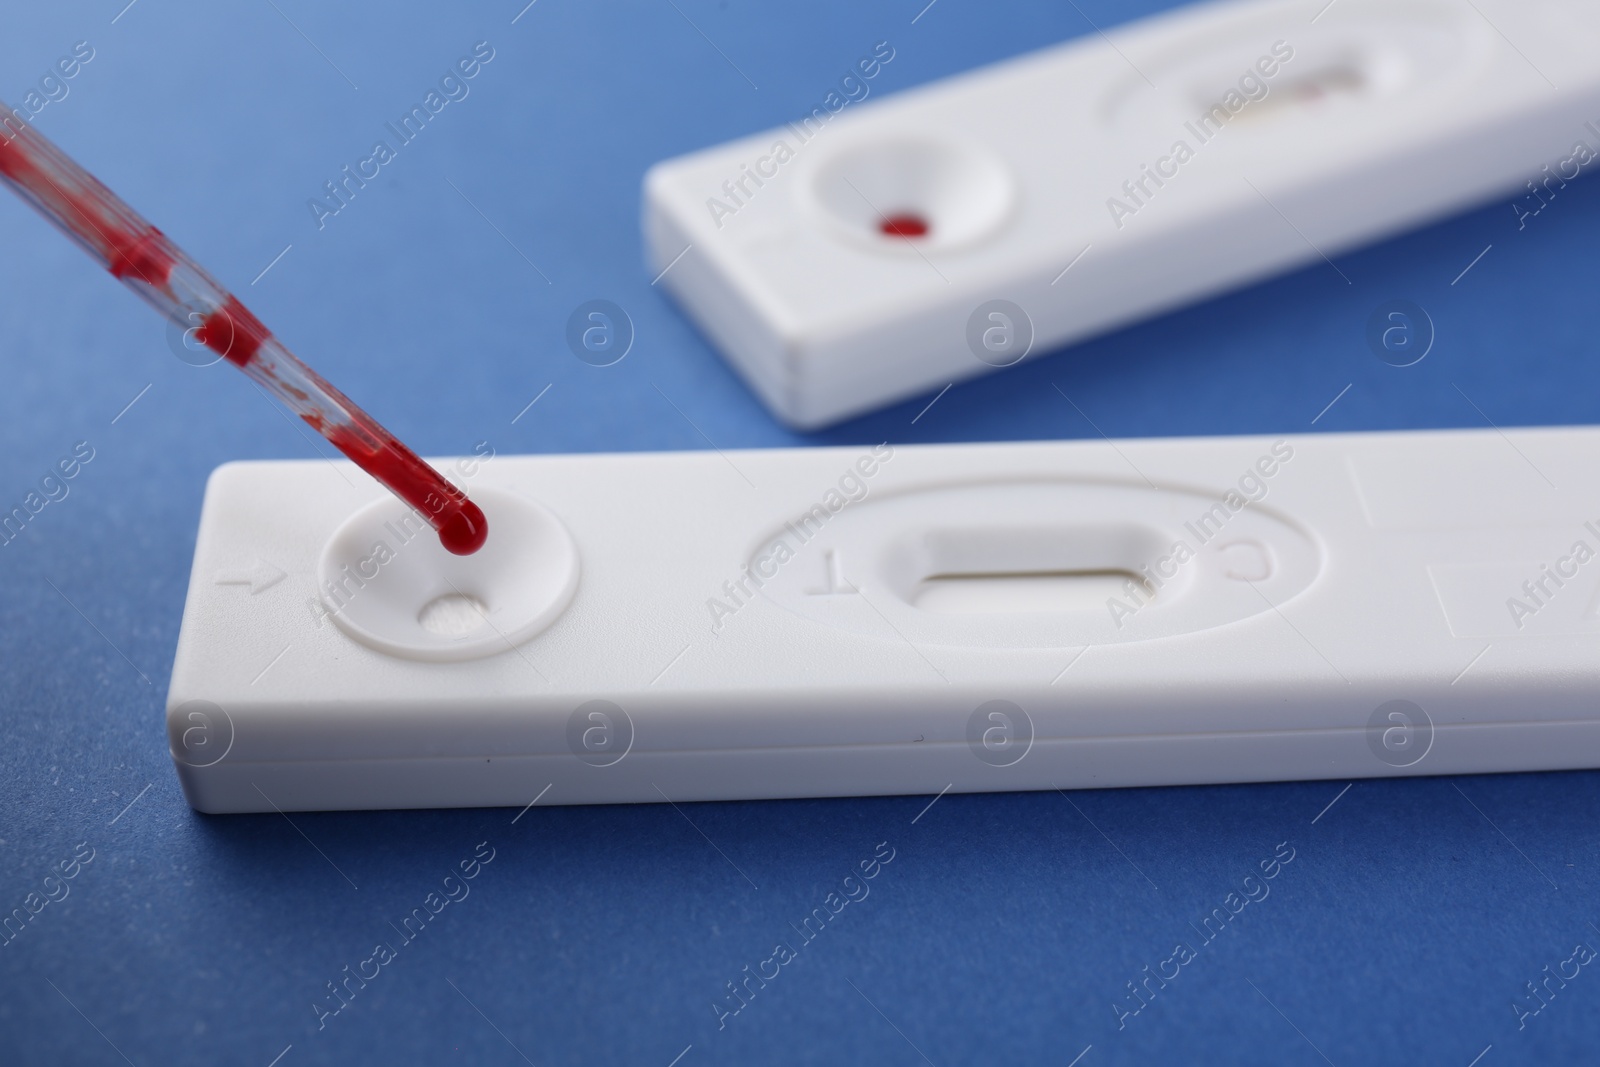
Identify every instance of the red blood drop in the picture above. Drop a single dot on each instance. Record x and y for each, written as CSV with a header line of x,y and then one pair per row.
x,y
904,224
464,532
461,524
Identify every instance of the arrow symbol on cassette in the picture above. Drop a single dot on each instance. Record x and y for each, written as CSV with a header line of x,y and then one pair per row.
x,y
261,575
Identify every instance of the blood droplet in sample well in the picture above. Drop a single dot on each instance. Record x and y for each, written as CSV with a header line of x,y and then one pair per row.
x,y
903,224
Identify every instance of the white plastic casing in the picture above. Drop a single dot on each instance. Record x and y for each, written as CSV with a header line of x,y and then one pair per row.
x,y
1389,113
963,617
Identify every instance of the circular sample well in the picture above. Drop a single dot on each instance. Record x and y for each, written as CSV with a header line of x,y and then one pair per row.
x,y
388,583
913,191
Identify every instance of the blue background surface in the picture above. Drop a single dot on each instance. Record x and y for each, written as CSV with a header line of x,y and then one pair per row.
x,y
1007,925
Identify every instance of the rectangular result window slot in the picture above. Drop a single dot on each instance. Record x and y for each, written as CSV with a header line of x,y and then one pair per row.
x,y
1025,591
1307,92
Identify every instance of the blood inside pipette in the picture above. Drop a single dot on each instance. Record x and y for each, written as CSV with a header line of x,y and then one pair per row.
x,y
139,255
460,523
238,336
233,332
134,251
143,256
